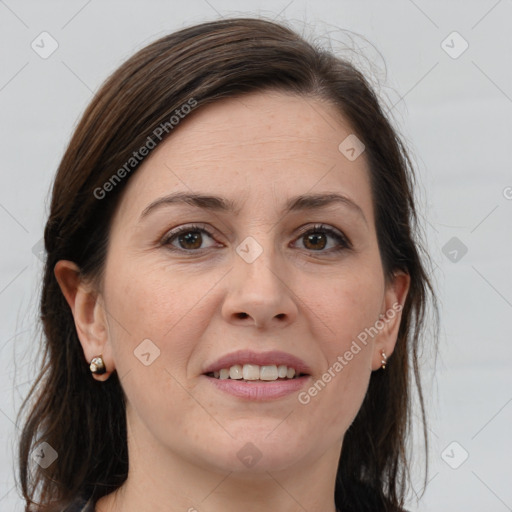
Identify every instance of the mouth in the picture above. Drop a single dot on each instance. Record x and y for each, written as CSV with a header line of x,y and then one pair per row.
x,y
258,376
256,373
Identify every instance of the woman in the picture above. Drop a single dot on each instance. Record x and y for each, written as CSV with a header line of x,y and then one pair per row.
x,y
233,297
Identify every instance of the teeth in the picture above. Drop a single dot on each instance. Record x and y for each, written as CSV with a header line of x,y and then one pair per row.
x,y
251,372
256,372
268,373
235,372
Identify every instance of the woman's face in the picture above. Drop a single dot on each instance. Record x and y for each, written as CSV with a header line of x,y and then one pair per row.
x,y
259,266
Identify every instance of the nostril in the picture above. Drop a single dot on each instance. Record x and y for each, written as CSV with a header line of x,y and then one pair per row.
x,y
242,315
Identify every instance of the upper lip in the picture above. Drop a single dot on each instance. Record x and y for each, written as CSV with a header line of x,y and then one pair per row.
x,y
260,358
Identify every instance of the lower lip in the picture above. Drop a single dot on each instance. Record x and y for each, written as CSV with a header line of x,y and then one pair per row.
x,y
257,390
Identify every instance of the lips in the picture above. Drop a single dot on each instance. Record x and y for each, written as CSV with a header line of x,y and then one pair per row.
x,y
243,357
262,387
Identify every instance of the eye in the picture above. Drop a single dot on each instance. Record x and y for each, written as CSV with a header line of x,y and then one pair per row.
x,y
317,239
188,238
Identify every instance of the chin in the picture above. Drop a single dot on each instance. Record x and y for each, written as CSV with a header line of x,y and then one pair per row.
x,y
254,451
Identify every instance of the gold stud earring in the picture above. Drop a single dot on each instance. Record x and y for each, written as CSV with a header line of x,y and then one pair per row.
x,y
97,365
384,360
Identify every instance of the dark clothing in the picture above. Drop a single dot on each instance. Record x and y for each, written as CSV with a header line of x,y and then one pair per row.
x,y
81,505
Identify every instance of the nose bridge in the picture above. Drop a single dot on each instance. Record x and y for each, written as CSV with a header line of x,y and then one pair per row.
x,y
258,289
257,265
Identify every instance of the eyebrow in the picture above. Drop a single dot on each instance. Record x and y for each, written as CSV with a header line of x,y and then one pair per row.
x,y
221,204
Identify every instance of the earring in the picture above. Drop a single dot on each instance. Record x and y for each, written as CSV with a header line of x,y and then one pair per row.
x,y
384,360
97,365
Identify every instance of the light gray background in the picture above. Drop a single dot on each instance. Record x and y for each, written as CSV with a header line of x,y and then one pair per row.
x,y
455,114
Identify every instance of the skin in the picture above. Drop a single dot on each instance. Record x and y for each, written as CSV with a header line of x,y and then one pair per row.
x,y
298,297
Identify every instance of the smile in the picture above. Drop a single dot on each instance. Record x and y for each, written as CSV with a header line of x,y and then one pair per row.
x,y
256,373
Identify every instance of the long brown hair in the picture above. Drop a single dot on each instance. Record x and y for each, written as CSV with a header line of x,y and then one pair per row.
x,y
83,419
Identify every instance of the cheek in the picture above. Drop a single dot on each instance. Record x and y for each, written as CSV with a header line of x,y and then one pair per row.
x,y
171,307
147,304
344,308
343,305
335,397
168,310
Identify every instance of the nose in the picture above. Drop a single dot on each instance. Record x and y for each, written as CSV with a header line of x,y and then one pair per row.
x,y
259,294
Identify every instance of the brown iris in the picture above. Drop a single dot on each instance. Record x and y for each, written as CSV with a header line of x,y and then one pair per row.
x,y
317,240
194,238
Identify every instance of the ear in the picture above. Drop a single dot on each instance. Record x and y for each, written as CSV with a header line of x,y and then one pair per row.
x,y
390,317
89,315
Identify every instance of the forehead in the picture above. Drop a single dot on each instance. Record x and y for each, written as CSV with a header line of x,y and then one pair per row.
x,y
269,121
244,147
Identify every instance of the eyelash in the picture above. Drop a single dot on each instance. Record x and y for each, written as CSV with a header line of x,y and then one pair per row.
x,y
343,242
